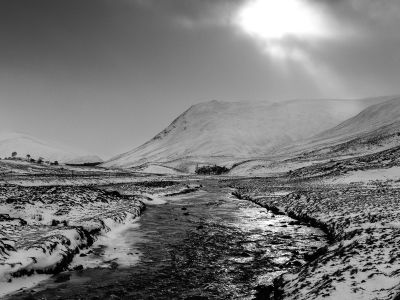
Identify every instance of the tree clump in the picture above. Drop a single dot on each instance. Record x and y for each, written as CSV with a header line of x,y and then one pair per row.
x,y
211,170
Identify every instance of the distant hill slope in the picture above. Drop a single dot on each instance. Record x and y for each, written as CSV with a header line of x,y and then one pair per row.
x,y
240,130
374,129
371,118
24,144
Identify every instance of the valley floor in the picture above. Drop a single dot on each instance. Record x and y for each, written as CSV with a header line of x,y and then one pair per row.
x,y
196,244
248,238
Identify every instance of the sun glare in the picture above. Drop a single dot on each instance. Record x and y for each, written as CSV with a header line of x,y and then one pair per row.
x,y
276,19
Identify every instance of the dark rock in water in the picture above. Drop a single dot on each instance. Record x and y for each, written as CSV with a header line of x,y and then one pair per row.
x,y
114,265
310,256
296,263
186,214
11,200
78,268
183,208
55,222
196,298
397,297
62,278
200,227
294,223
264,292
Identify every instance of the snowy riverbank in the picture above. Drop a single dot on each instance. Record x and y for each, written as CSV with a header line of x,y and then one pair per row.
x,y
43,228
362,260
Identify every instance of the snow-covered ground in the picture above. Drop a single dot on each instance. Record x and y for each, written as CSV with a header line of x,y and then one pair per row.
x,y
21,283
43,228
32,174
362,223
76,181
115,247
366,176
265,167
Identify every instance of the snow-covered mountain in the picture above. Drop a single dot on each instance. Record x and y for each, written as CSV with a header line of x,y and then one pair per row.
x,y
240,130
25,144
374,132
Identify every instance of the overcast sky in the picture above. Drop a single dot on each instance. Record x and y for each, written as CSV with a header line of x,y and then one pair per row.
x,y
107,75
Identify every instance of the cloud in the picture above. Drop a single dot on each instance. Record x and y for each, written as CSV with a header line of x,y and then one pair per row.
x,y
368,17
344,16
352,40
194,12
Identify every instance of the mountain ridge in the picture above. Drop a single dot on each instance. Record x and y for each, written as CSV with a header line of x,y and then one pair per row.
x,y
240,129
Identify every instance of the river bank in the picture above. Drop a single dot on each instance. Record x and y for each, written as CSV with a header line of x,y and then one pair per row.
x,y
362,259
42,229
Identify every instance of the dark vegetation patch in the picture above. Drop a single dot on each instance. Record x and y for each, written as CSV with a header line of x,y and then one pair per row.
x,y
211,170
156,184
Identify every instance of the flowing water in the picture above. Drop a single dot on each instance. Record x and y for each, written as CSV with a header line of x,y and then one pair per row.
x,y
203,245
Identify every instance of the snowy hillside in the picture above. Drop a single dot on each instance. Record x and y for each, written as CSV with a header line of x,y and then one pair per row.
x,y
240,130
374,129
373,117
24,144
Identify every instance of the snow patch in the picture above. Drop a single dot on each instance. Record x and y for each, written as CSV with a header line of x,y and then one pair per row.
x,y
21,283
365,176
112,248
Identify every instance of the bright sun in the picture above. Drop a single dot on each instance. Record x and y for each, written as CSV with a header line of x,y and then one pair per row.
x,y
276,19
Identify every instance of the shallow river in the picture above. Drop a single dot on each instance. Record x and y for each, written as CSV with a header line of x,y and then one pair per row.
x,y
204,245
